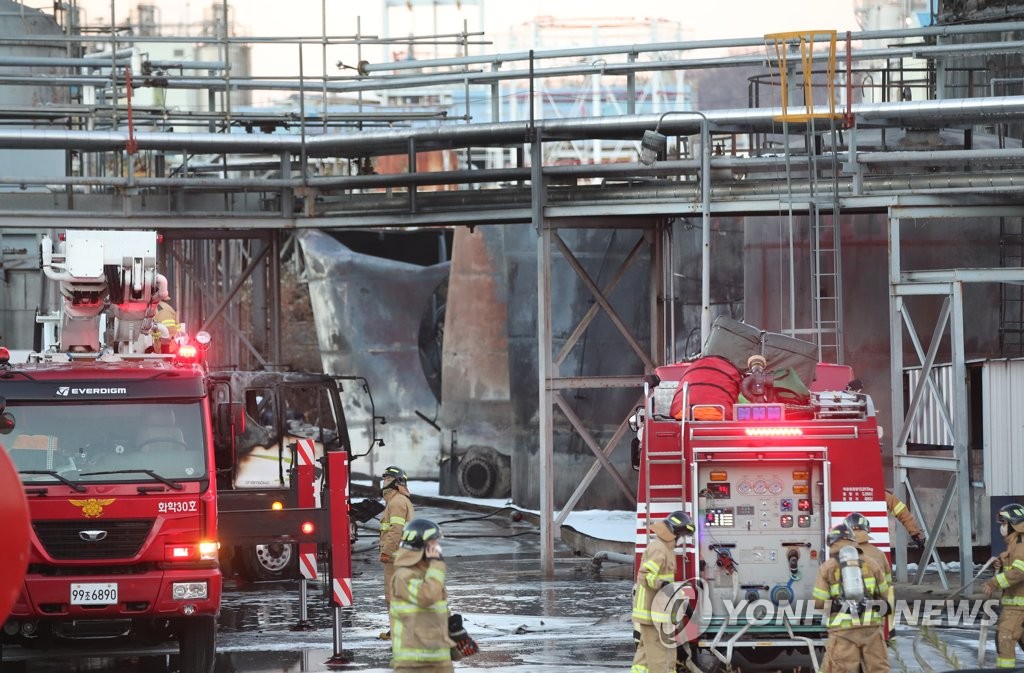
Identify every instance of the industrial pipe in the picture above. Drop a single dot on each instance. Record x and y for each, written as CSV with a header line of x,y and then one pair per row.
x,y
612,556
931,114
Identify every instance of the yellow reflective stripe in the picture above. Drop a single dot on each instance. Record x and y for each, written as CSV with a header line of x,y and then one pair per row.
x,y
396,521
384,525
833,590
1002,581
400,607
638,668
898,508
844,620
435,574
420,654
1005,663
1018,564
821,594
1015,601
414,589
660,617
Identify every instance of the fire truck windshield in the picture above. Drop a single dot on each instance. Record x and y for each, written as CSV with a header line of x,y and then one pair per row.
x,y
108,442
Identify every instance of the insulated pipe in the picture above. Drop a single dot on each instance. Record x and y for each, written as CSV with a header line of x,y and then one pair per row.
x,y
932,113
612,556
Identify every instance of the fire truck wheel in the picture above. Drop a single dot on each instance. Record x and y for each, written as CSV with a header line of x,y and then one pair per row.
x,y
265,562
197,644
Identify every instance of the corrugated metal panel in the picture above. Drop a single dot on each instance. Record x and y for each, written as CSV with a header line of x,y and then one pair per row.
x,y
928,426
1003,391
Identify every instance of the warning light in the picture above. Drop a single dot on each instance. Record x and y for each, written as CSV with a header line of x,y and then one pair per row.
x,y
307,528
187,352
5,356
804,505
719,475
814,554
786,520
710,517
277,505
803,521
801,475
774,432
801,489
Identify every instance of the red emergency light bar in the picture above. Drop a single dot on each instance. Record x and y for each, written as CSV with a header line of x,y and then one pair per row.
x,y
731,431
773,432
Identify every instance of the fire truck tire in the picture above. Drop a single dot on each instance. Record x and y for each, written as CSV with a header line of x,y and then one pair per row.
x,y
268,562
484,473
197,644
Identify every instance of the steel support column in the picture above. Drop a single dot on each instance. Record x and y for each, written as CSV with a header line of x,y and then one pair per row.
x,y
546,369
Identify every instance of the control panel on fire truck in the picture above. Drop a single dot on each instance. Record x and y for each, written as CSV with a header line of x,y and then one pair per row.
x,y
760,528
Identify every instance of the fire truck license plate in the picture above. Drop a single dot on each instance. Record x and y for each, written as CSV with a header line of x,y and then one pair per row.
x,y
104,593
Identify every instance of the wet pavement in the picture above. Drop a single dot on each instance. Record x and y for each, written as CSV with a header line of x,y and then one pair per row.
x,y
523,624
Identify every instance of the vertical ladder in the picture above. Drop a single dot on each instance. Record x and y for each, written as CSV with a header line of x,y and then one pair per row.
x,y
656,493
1011,297
825,252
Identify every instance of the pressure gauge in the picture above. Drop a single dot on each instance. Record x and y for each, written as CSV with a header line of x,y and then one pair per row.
x,y
776,487
744,487
760,487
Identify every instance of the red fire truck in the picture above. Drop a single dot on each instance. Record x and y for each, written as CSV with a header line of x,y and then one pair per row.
x,y
134,465
763,485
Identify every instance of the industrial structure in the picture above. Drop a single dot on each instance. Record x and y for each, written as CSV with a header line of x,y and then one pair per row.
x,y
868,175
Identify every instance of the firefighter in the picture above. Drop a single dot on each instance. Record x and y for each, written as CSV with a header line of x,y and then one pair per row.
x,y
419,602
1009,578
861,527
397,511
657,568
899,510
851,586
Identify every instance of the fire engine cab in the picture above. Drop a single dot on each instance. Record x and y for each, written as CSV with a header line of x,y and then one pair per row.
x,y
134,466
763,483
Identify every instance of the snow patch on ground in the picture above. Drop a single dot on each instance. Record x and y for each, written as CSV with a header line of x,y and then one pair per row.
x,y
613,525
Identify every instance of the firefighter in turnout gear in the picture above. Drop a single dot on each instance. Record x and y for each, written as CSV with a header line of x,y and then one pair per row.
x,y
902,513
1010,579
419,602
657,568
398,511
854,589
861,527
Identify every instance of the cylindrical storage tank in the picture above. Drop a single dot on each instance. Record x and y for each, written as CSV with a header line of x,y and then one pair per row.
x,y
22,293
16,23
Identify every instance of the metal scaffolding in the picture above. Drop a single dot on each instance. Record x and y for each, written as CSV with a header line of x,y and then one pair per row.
x,y
236,183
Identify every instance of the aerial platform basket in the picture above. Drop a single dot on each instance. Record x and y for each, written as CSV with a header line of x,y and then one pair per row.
x,y
796,56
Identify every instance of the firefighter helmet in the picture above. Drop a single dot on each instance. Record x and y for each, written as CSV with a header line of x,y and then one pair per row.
x,y
397,476
679,523
857,521
839,532
1013,515
418,532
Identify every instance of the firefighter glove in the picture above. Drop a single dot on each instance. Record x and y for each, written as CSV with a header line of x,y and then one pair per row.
x,y
464,645
432,550
919,540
